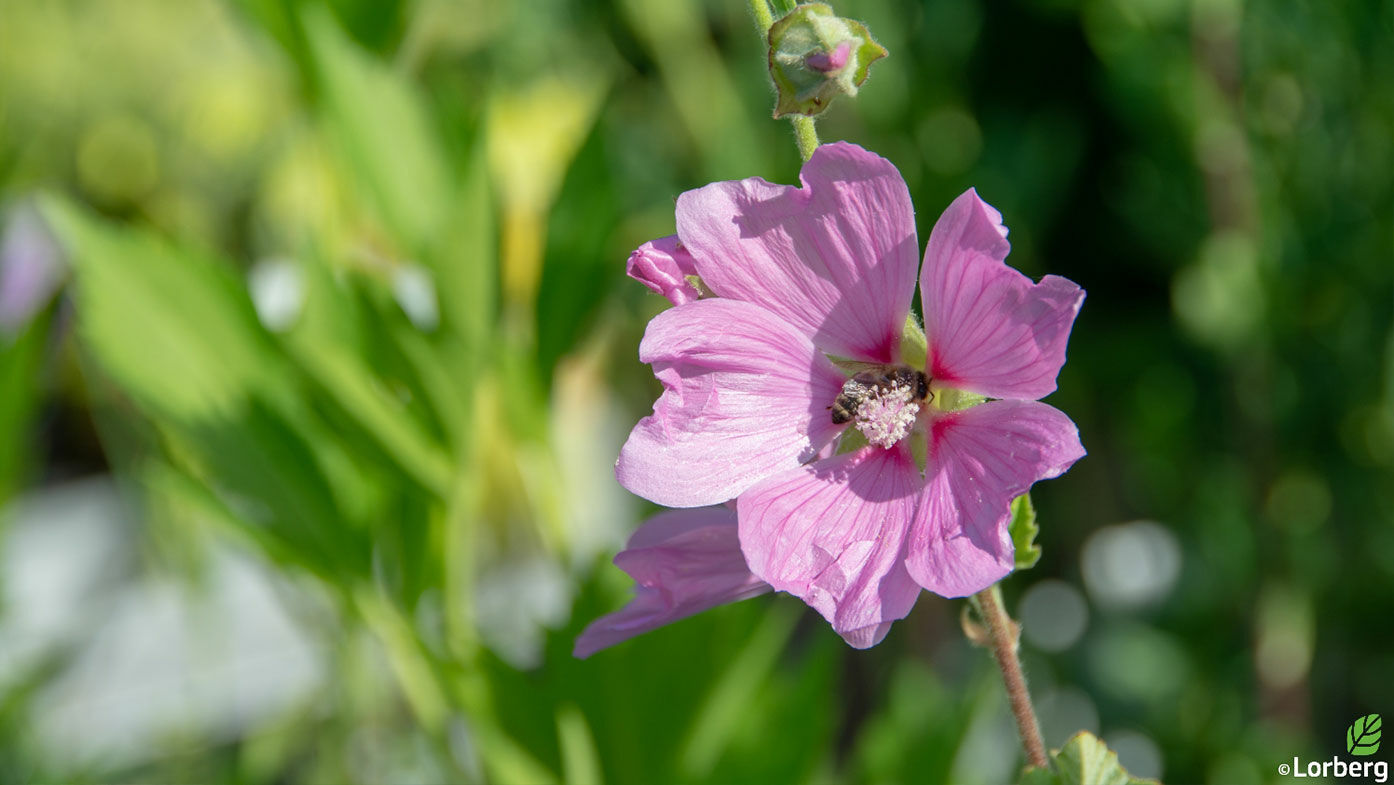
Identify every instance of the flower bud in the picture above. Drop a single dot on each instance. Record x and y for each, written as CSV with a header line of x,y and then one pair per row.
x,y
664,265
815,55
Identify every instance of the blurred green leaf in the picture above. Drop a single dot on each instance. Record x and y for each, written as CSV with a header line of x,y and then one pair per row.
x,y
447,387
261,466
20,364
580,760
712,728
353,387
466,260
916,735
507,761
385,132
1024,530
174,329
410,664
699,84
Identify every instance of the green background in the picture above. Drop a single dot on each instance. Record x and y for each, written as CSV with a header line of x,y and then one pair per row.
x,y
306,469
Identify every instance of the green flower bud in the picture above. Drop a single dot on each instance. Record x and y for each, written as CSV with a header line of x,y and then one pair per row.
x,y
816,55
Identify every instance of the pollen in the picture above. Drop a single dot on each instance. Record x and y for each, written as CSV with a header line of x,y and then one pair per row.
x,y
887,415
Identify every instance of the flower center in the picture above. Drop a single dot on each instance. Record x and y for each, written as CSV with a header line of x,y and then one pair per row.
x,y
887,414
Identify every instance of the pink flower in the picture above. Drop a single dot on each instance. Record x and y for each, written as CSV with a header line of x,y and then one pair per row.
x,y
755,409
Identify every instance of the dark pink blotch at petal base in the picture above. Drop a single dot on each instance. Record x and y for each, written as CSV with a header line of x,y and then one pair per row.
x,y
683,562
991,330
979,460
833,534
835,258
745,397
663,265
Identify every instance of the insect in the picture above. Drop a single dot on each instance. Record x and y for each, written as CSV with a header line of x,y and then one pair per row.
x,y
873,381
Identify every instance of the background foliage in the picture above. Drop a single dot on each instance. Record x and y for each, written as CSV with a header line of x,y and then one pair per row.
x,y
306,465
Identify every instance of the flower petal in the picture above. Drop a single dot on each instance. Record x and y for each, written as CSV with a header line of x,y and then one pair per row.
x,y
663,265
991,331
32,268
833,534
835,258
684,562
979,460
745,397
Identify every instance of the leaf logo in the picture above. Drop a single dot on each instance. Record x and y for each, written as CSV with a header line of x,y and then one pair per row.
x,y
1362,737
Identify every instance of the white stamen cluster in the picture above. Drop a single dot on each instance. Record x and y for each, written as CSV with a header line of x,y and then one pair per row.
x,y
886,416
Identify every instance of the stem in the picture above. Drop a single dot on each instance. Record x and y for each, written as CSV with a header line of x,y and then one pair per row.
x,y
805,135
1005,636
763,17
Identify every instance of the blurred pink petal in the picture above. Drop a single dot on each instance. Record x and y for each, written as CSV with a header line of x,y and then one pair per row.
x,y
663,265
32,268
991,331
979,460
745,396
833,534
835,258
684,562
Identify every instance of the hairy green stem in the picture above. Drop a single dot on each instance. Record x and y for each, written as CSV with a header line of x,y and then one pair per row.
x,y
763,17
805,135
1005,637
805,132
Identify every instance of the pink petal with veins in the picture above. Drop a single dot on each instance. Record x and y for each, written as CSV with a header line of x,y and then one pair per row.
x,y
833,533
835,258
991,330
979,460
745,397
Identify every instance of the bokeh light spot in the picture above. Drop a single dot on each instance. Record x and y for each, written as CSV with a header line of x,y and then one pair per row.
x,y
950,140
1131,564
1053,615
1218,297
1064,712
277,288
1299,500
1136,662
1283,653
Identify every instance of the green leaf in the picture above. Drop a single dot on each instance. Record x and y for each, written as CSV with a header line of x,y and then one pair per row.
x,y
713,727
580,759
384,132
1084,760
1024,530
261,465
1362,737
21,369
174,329
466,262
351,385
